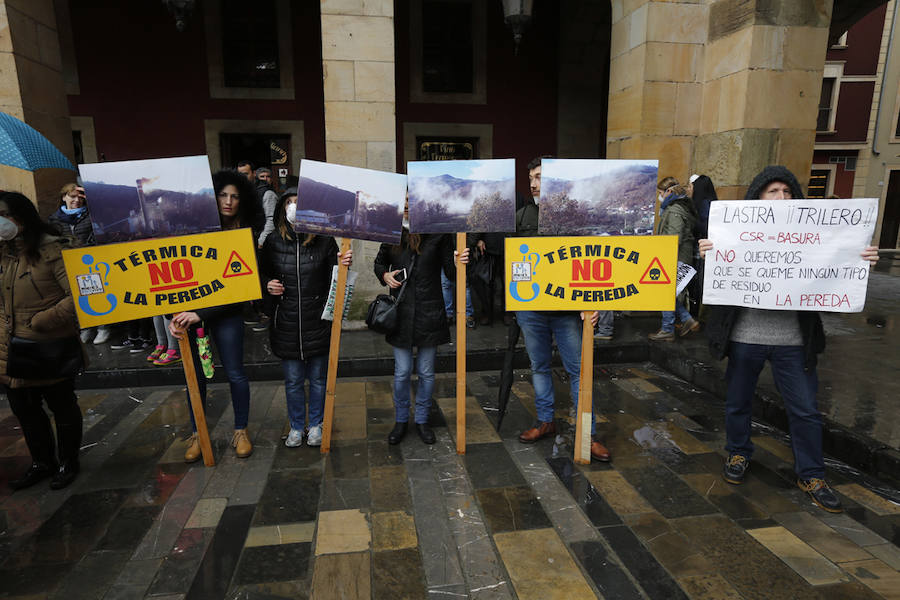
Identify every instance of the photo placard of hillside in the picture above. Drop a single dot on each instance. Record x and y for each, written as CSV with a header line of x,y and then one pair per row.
x,y
597,196
140,199
452,196
343,201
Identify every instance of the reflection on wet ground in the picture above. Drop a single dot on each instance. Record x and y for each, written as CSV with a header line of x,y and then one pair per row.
x,y
372,520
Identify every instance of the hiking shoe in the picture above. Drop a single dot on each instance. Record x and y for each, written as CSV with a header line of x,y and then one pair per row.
x,y
470,322
821,494
294,438
662,336
126,344
735,469
140,345
192,454
242,446
170,357
157,352
314,437
688,327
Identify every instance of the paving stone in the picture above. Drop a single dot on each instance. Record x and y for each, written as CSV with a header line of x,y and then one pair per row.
x,y
272,590
526,555
389,488
382,454
811,565
179,566
345,576
489,465
348,460
708,587
221,559
847,591
289,497
342,531
672,549
479,430
594,506
606,574
832,545
91,576
264,564
207,513
478,560
288,533
642,565
349,423
887,553
877,576
851,529
511,509
139,572
393,531
339,494
125,592
398,574
623,498
128,528
721,494
877,504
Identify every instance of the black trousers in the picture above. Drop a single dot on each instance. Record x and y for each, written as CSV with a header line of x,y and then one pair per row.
x,y
27,405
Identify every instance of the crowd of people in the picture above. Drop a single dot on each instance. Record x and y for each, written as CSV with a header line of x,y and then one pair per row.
x,y
36,306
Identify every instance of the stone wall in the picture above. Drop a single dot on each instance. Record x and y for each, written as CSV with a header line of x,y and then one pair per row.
x,y
32,89
360,122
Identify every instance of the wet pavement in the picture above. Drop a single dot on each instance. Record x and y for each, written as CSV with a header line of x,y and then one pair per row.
x,y
505,520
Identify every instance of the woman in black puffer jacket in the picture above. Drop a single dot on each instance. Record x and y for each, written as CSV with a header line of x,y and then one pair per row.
x,y
296,272
73,217
422,321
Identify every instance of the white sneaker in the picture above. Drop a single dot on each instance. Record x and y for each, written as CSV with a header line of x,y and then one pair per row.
x,y
294,438
314,437
102,335
86,335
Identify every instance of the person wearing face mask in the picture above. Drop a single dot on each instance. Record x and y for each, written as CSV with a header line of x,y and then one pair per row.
x,y
238,208
36,306
677,216
296,274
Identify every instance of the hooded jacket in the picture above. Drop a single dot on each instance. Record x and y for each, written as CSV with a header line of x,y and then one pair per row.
x,y
722,318
678,217
78,226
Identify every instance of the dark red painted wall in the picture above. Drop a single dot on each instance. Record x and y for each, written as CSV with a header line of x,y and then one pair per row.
x,y
851,123
521,89
843,179
146,85
863,44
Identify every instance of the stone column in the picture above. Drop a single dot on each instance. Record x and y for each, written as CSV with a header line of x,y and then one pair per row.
x,y
32,89
720,87
360,121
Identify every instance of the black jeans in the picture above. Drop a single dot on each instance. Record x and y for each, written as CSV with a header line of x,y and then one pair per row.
x,y
27,405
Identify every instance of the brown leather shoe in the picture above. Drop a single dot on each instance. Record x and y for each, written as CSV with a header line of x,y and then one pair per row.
x,y
539,432
242,446
599,452
192,454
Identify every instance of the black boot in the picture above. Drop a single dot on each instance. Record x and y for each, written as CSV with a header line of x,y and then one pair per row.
x,y
36,472
69,440
425,432
397,433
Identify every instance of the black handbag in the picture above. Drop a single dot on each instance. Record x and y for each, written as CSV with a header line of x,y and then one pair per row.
x,y
382,314
482,269
47,359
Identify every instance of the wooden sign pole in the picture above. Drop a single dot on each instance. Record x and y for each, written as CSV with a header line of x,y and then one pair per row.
x,y
460,347
585,397
190,376
334,350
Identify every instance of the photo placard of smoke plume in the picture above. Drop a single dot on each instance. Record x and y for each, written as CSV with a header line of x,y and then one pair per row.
x,y
343,201
597,197
452,196
139,199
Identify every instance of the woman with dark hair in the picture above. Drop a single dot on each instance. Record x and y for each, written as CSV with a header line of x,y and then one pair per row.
x,y
297,275
702,193
238,207
422,323
36,305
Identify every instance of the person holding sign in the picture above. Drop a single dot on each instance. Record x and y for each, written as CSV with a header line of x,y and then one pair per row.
x,y
40,352
297,276
540,329
238,207
789,340
677,216
416,265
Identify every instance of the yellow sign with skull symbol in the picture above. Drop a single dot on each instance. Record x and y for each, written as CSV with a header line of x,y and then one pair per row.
x,y
145,278
591,273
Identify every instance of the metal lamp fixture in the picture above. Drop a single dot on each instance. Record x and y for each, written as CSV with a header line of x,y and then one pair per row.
x,y
181,10
517,14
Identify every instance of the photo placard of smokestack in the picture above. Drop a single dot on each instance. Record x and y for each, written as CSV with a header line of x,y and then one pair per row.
x,y
140,191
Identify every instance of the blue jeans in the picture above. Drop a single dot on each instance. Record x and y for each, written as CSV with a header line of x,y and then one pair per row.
x,y
295,372
797,387
228,335
403,365
605,325
447,286
540,328
669,316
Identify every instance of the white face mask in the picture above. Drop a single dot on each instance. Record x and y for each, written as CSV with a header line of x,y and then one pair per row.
x,y
661,196
8,229
405,223
290,213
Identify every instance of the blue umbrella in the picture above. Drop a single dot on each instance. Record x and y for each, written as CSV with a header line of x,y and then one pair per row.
x,y
24,147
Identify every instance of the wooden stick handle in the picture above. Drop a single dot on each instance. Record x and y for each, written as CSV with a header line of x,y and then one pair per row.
x,y
334,351
460,347
190,376
585,386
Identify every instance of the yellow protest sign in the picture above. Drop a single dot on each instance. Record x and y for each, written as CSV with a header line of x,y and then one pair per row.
x,y
591,273
145,278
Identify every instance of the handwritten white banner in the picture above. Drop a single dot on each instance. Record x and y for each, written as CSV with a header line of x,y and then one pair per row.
x,y
789,254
